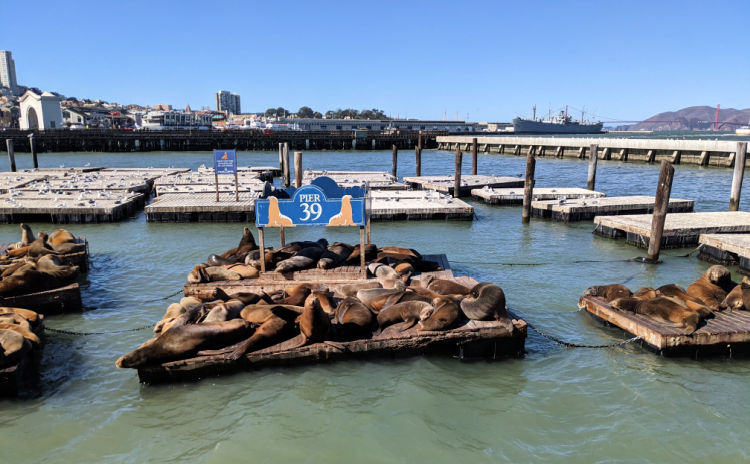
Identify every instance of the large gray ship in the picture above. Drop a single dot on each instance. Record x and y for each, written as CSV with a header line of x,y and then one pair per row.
x,y
558,124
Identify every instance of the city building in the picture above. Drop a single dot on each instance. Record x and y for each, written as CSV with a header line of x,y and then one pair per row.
x,y
159,120
228,102
8,72
314,124
40,111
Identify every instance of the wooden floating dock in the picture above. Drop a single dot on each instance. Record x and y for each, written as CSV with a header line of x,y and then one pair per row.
x,y
56,301
68,211
205,181
413,205
17,379
728,249
445,184
514,196
679,229
583,209
377,180
202,207
15,180
727,333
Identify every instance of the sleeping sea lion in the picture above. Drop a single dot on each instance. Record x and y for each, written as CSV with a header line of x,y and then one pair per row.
x,y
739,298
13,318
448,287
378,298
608,292
335,255
678,294
386,275
305,258
27,314
60,236
409,311
56,268
224,311
352,319
246,298
173,311
24,331
13,268
39,247
486,301
13,346
661,309
245,271
185,341
218,273
445,315
296,295
707,289
371,252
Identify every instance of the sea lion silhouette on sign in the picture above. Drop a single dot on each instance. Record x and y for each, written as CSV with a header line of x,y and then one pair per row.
x,y
275,218
344,218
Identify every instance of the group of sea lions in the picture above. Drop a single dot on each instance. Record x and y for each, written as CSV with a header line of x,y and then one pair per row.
x,y
232,325
713,291
17,335
244,261
35,265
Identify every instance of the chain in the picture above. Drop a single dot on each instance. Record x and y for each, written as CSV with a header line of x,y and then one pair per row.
x,y
71,332
164,298
578,345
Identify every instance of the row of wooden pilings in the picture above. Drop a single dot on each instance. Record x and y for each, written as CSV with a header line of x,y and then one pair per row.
x,y
12,155
663,191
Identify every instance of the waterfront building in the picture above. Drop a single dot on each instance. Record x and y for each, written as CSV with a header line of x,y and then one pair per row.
x,y
228,102
40,111
8,72
160,120
314,124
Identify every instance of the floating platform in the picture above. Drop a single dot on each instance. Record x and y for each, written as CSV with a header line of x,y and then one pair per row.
x,y
445,184
514,196
728,249
681,229
61,300
18,378
727,333
202,207
79,258
413,205
261,172
15,180
377,180
61,209
583,209
205,181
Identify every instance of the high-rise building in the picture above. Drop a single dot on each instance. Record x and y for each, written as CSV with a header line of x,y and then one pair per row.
x,y
229,102
8,72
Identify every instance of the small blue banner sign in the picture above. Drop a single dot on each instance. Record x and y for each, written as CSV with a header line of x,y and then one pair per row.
x,y
322,202
225,161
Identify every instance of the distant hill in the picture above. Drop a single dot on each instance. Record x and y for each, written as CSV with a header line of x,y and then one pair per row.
x,y
694,118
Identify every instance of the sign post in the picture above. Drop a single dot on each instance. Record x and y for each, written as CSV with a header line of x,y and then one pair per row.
x,y
225,162
322,202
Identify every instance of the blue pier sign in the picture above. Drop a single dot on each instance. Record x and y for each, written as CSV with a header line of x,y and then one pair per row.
x,y
322,202
225,162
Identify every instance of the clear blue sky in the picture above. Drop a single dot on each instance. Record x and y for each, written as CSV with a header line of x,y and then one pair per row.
x,y
491,60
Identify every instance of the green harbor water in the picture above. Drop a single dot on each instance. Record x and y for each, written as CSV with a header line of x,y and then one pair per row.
x,y
556,404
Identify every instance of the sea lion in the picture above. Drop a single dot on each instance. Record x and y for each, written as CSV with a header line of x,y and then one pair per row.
x,y
324,300
371,252
386,275
39,247
314,323
13,346
198,275
27,236
192,307
660,309
678,294
56,268
27,314
24,280
245,271
13,318
13,268
18,252
237,254
60,236
486,301
739,298
409,311
402,251
185,341
379,298
305,258
707,289
344,217
246,298
335,255
173,311
224,311
218,273
448,287
445,315
721,276
25,331
404,269
352,319
608,292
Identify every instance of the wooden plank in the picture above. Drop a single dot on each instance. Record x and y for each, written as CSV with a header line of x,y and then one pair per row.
x,y
56,301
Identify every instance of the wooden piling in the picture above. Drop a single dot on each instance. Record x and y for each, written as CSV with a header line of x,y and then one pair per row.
x,y
32,146
663,190
593,157
457,177
474,156
528,188
739,172
281,156
298,169
418,155
394,162
11,154
287,176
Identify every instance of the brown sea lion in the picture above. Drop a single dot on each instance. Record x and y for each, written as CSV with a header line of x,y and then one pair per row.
x,y
660,309
18,252
245,271
409,311
448,287
13,268
13,346
608,292
60,236
378,298
305,258
352,319
721,276
27,314
324,300
739,298
296,295
335,255
192,306
445,315
39,247
224,311
56,268
185,341
27,236
707,288
237,254
24,280
486,301
25,331
246,298
13,318
314,323
173,311
198,275
402,251
677,293
218,273
371,252
386,275
404,269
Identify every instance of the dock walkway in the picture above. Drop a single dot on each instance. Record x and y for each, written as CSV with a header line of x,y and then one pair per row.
x,y
583,209
446,184
514,196
728,249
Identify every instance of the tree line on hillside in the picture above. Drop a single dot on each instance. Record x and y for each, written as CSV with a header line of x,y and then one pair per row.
x,y
307,112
